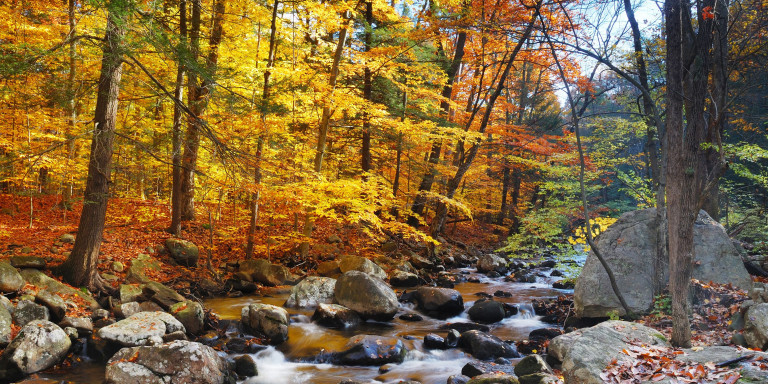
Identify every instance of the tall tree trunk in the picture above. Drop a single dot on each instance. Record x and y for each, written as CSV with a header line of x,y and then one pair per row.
x,y
365,157
680,184
198,94
453,184
504,191
398,161
178,93
713,156
428,179
66,198
257,172
80,267
326,118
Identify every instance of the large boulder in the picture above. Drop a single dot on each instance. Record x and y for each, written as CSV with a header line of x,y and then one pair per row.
x,y
335,316
484,346
372,350
486,311
177,362
310,292
10,279
491,263
264,272
268,320
27,311
183,252
361,264
628,247
190,314
70,295
439,302
367,295
5,326
403,279
38,346
160,294
140,266
141,329
756,326
586,352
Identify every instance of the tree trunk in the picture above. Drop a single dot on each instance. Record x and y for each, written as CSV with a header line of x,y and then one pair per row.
x,y
80,267
326,118
713,155
178,93
398,161
434,155
365,156
680,188
504,190
197,94
66,198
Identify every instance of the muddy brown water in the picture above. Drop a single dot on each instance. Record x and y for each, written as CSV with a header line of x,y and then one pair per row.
x,y
292,361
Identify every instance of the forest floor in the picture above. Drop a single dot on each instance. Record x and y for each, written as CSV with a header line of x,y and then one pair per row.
x,y
136,226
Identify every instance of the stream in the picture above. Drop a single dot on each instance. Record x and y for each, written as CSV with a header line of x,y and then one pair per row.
x,y
294,362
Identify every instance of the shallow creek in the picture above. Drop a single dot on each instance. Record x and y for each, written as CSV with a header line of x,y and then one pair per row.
x,y
293,362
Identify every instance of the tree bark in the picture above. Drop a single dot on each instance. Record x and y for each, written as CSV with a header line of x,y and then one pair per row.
x,y
326,118
66,198
419,202
80,267
178,93
365,156
197,96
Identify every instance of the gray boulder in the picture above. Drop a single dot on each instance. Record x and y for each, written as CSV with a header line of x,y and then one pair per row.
x,y
490,263
27,311
268,320
38,346
486,311
403,279
42,281
5,326
141,329
439,302
367,295
372,350
335,316
160,294
28,262
137,272
356,263
10,279
130,292
183,252
177,362
57,307
586,352
756,326
190,314
628,246
310,292
484,346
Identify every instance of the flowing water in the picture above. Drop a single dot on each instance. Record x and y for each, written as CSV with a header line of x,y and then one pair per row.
x,y
291,362
294,362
